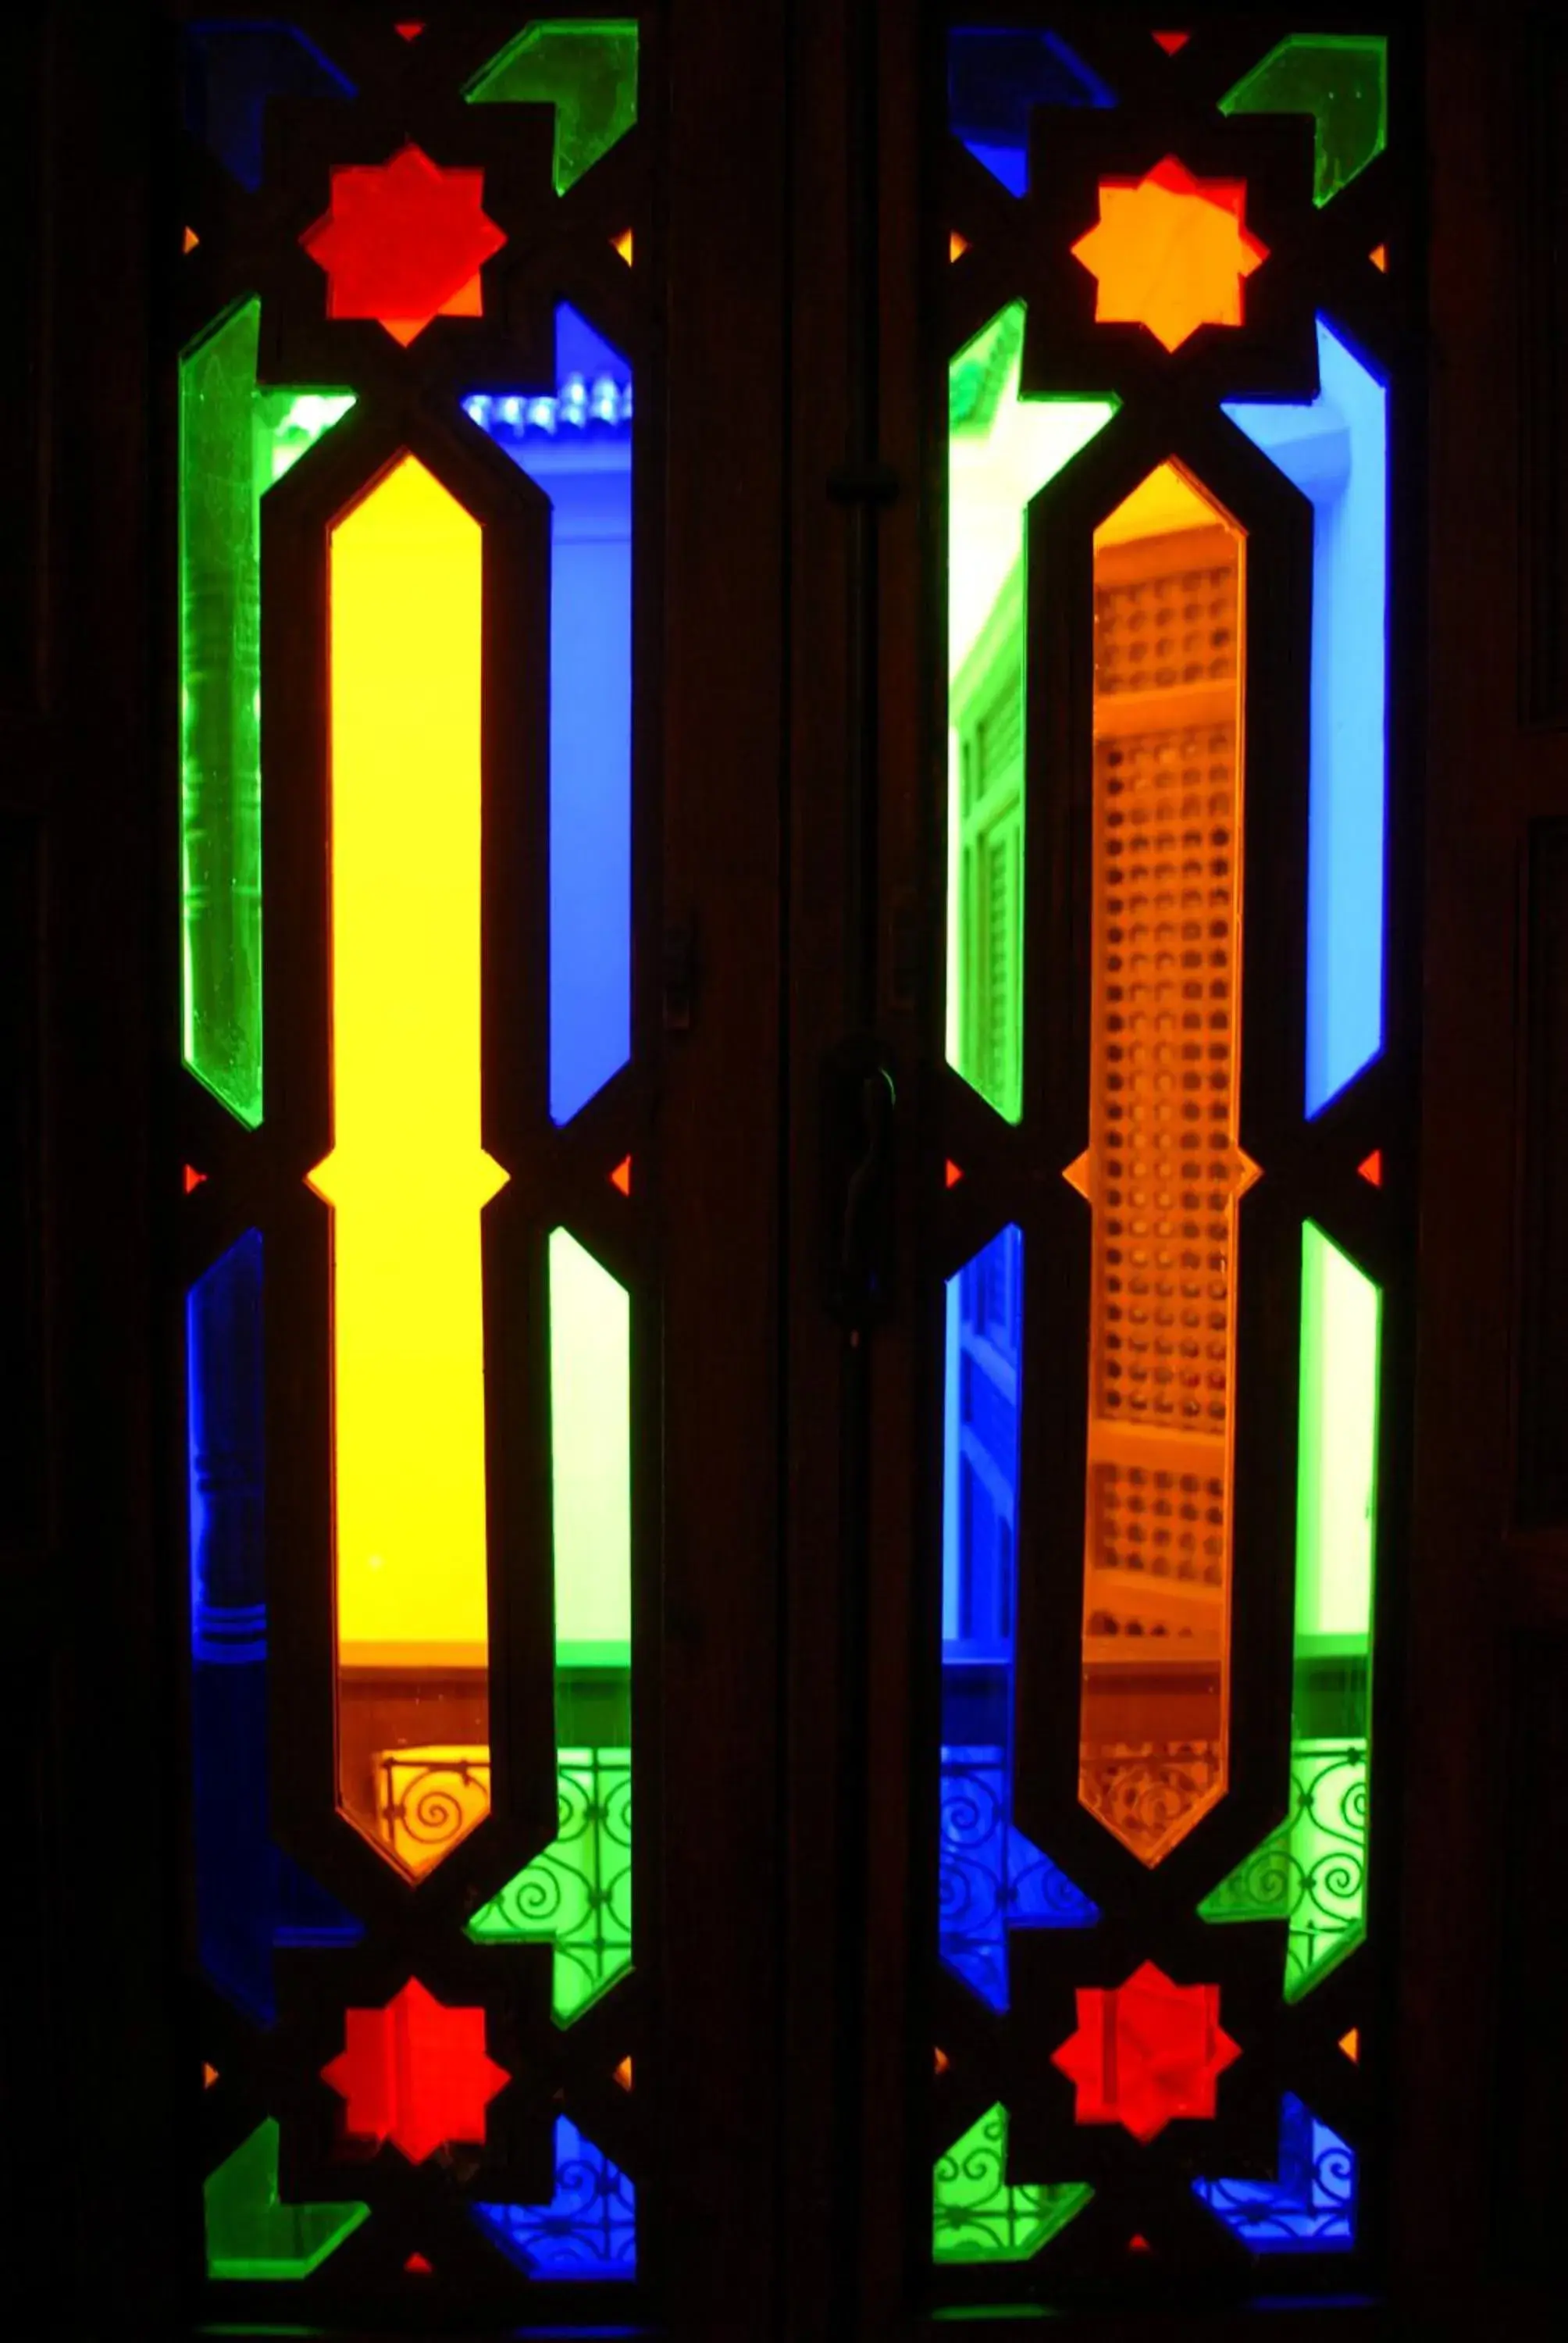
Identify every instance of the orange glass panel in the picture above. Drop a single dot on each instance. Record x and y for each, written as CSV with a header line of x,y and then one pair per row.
x,y
191,240
402,242
624,246
1370,1168
621,1176
1350,2044
407,1176
623,2073
957,246
414,2073
954,1174
1146,2051
1379,256
1171,252
1163,1173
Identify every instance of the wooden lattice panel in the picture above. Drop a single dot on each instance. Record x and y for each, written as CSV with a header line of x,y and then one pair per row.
x,y
1164,1175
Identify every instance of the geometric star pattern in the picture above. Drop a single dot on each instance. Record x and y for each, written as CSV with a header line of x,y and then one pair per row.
x,y
1146,2051
403,241
1171,252
414,2073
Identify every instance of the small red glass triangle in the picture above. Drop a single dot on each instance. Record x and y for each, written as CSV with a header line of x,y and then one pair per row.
x,y
1171,42
410,33
193,1178
192,240
1139,2244
621,1176
1350,2044
954,1174
1372,1169
208,2076
421,2267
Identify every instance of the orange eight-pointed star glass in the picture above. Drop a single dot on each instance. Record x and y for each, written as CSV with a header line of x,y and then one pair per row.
x,y
414,2073
1145,2051
403,242
1171,252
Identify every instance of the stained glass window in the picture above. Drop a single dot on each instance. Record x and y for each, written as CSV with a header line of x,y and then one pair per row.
x,y
406,793
1169,710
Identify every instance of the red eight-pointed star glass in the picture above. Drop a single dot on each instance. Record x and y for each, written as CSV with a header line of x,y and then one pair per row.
x,y
414,2073
1145,2051
403,241
1171,252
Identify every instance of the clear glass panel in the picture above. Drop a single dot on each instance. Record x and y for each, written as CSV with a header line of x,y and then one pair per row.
x,y
407,1176
1163,1173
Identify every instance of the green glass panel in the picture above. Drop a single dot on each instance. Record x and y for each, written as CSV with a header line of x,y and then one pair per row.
x,y
235,440
1312,1872
978,2217
1341,79
251,2234
577,1895
587,72
1002,450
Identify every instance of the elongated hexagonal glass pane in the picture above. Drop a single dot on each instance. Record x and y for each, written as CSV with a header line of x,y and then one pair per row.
x,y
407,1176
1163,1173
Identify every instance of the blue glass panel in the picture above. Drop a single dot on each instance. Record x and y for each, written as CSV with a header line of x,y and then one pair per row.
x,y
1311,2207
993,80
249,1895
231,71
1335,449
577,446
990,1877
589,2229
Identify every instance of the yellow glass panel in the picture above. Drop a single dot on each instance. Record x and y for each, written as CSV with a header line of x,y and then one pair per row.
x,y
1163,1173
407,1176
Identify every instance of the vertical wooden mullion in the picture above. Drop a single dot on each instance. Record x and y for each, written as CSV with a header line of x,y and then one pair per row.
x,y
716,2032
